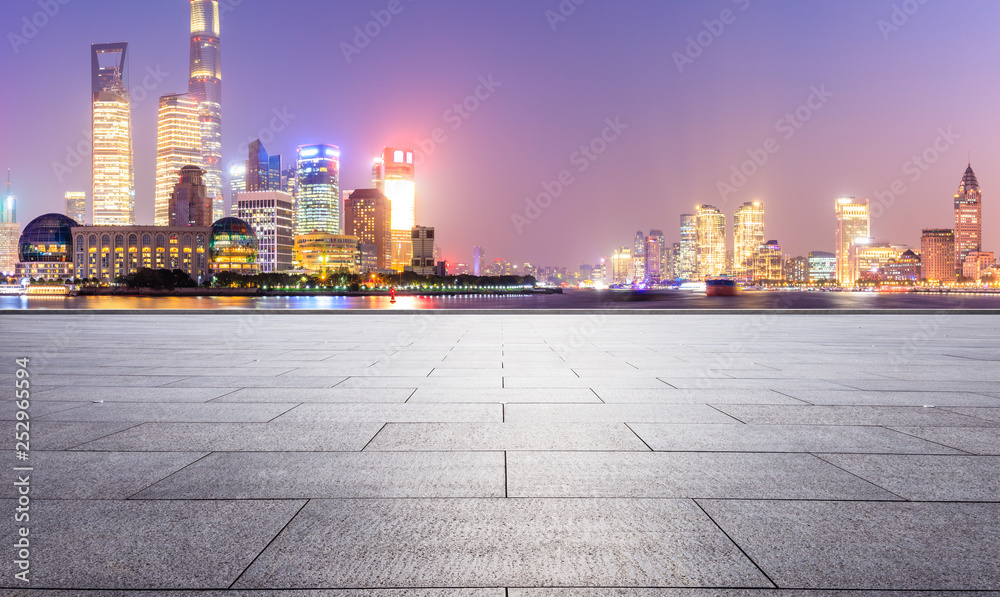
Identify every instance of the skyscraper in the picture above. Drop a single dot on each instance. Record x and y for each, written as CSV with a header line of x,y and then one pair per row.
x,y
422,241
654,257
205,85
639,256
76,206
687,259
263,171
767,262
711,244
367,215
394,174
479,261
622,267
269,213
318,200
937,255
748,236
237,180
853,222
178,144
189,203
8,207
968,219
10,231
114,188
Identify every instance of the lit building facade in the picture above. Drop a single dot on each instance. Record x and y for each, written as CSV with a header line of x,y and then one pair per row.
x,y
422,250
178,144
113,190
205,86
270,214
76,206
109,252
318,199
968,219
748,235
367,215
768,264
233,247
937,255
263,171
711,244
654,257
189,203
321,252
394,173
822,267
687,259
8,205
853,222
797,270
873,258
977,264
622,267
10,233
237,180
905,268
639,257
45,249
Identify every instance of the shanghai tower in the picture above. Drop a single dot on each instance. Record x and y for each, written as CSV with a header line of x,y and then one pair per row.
x,y
205,85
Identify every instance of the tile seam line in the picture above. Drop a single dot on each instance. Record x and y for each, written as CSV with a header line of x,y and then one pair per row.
x,y
269,543
872,483
197,460
733,541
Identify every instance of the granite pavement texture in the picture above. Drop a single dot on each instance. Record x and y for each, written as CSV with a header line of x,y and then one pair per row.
x,y
505,455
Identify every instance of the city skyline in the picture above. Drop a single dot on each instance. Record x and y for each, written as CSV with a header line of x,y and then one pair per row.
x,y
519,139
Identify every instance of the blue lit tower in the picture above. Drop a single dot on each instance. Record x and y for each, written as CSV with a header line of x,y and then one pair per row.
x,y
318,199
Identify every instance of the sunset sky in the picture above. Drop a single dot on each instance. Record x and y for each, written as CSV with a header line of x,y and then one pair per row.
x,y
878,93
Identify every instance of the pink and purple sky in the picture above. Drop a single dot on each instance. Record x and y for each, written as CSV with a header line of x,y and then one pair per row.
x,y
893,75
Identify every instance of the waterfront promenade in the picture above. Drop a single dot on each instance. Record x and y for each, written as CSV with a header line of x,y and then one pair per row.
x,y
506,455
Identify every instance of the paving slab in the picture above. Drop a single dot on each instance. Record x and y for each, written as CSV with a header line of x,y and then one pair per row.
x,y
985,414
284,381
973,440
761,414
140,545
675,396
962,478
94,475
505,436
316,395
866,545
890,398
396,413
63,435
677,475
247,437
119,394
509,395
173,413
615,413
505,542
784,438
290,475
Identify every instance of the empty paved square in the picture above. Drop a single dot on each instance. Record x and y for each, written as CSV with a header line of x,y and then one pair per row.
x,y
506,455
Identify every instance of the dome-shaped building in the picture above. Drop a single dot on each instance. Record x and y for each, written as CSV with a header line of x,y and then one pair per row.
x,y
233,246
45,249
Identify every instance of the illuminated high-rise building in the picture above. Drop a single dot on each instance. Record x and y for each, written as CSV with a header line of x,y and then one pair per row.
x,y
205,85
76,206
822,267
937,255
710,225
654,257
853,222
622,267
8,205
479,261
639,256
394,174
968,219
269,213
178,144
767,262
687,259
748,236
367,215
237,181
113,183
263,171
318,199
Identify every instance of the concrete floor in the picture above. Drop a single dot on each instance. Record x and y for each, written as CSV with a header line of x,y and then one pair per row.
x,y
507,455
